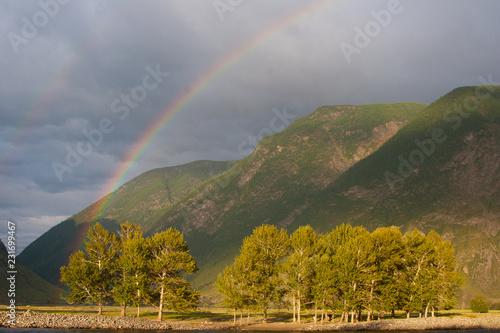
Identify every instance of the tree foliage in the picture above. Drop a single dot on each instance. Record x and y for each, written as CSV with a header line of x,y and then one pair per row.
x,y
479,304
348,269
90,274
132,270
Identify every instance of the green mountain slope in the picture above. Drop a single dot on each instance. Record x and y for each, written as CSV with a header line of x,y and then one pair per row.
x,y
29,287
441,172
275,183
139,201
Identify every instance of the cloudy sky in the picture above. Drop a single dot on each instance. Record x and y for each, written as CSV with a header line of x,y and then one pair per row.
x,y
81,82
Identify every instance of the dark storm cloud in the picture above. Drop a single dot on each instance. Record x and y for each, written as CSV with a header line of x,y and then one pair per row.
x,y
89,55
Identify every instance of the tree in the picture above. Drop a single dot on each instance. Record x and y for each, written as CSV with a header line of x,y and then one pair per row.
x,y
388,253
300,267
131,281
418,275
89,275
353,259
479,304
230,285
170,260
261,253
331,282
442,288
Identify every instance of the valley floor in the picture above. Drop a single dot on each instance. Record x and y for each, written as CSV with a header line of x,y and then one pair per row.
x,y
201,321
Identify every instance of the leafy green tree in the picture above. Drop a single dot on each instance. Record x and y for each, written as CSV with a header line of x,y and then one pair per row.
x,y
442,288
479,304
386,283
90,275
231,286
170,260
131,284
354,261
300,267
326,291
418,274
262,253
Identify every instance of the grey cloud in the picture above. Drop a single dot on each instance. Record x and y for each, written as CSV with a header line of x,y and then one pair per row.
x,y
65,79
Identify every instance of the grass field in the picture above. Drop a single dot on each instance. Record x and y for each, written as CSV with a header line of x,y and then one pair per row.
x,y
218,315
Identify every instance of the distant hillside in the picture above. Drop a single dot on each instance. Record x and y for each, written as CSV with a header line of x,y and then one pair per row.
x,y
30,288
141,201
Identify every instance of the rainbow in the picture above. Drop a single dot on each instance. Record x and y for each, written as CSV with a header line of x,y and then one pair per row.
x,y
199,85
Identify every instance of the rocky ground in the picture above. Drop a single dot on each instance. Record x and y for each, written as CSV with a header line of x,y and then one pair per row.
x,y
438,323
32,319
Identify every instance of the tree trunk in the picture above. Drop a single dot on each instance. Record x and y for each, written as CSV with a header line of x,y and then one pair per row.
x,y
371,302
298,307
408,314
138,300
248,317
99,311
322,315
359,315
315,314
432,312
160,310
124,310
352,316
426,310
264,319
241,317
293,302
234,316
393,314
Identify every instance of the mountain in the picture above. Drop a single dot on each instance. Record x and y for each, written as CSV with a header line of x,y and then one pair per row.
x,y
441,172
274,184
29,288
139,201
364,166
419,166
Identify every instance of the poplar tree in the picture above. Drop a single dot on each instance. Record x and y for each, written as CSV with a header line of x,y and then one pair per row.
x,y
353,260
442,287
231,286
262,253
170,259
388,253
131,280
300,267
89,275
418,275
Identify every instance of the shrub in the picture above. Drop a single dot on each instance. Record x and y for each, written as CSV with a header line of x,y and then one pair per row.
x,y
479,304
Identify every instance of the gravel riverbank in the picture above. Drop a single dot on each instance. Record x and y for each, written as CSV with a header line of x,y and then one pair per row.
x,y
32,319
414,324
